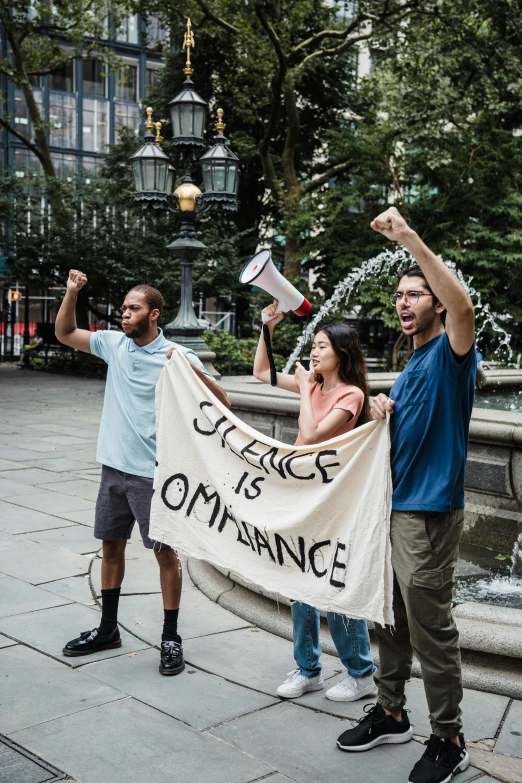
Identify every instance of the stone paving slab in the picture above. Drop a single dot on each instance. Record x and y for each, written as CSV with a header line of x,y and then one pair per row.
x,y
85,518
482,711
17,597
35,476
248,657
76,538
10,488
80,488
510,738
6,642
52,502
75,588
59,464
8,464
195,697
37,563
17,766
302,744
51,691
16,519
51,629
143,615
129,742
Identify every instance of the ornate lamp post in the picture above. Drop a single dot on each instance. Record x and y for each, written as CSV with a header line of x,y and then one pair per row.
x,y
154,179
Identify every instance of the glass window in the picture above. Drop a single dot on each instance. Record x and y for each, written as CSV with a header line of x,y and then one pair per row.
x,y
94,78
65,165
26,164
95,124
156,33
152,77
128,31
127,83
62,78
62,120
21,112
91,167
127,115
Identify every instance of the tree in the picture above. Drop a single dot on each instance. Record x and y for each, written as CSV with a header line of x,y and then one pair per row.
x,y
42,38
437,134
285,73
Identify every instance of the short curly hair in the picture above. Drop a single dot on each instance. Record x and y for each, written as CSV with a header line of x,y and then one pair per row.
x,y
152,296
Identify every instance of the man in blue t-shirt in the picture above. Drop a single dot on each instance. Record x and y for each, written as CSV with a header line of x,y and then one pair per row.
x,y
430,406
127,452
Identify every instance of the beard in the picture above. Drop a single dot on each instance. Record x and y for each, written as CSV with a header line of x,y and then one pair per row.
x,y
424,322
140,328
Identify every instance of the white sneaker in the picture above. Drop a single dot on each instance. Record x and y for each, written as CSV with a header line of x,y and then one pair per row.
x,y
297,684
351,689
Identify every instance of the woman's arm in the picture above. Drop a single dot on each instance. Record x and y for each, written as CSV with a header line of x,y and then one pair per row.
x,y
261,363
311,430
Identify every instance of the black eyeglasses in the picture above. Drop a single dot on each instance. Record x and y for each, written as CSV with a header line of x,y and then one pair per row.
x,y
411,297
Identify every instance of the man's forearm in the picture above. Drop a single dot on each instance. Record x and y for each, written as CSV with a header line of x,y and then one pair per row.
x,y
66,317
444,284
214,387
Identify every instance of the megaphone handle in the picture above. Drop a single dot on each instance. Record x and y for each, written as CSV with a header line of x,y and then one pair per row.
x,y
268,344
304,338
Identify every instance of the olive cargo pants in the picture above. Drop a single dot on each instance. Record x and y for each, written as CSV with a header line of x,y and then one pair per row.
x,y
424,552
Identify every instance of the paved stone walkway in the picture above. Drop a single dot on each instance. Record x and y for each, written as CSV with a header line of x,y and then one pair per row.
x,y
111,717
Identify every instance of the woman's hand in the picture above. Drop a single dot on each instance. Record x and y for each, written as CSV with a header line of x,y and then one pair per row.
x,y
270,314
170,352
304,378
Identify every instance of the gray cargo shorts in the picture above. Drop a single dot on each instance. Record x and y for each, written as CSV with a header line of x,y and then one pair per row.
x,y
122,500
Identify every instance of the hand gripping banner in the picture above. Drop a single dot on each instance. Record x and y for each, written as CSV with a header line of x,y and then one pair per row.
x,y
309,522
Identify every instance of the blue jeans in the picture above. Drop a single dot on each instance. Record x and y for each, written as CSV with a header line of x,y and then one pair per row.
x,y
350,637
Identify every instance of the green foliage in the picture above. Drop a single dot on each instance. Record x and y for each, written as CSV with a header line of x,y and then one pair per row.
x,y
235,356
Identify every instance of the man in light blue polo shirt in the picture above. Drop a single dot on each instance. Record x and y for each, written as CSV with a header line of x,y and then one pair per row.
x,y
127,452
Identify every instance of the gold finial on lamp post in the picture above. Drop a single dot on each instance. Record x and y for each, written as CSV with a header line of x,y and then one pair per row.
x,y
220,125
159,137
149,125
188,44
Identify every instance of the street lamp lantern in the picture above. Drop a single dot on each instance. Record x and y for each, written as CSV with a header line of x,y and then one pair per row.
x,y
154,181
153,172
220,170
188,109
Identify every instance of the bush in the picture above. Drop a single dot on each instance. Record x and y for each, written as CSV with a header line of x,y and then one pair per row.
x,y
235,356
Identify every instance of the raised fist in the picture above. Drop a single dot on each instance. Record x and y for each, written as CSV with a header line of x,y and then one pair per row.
x,y
76,280
391,224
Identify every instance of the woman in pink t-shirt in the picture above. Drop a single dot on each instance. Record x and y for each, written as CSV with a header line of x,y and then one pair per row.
x,y
334,399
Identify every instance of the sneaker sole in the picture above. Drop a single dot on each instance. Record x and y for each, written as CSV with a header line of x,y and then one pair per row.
x,y
385,739
308,689
367,692
171,672
462,767
74,653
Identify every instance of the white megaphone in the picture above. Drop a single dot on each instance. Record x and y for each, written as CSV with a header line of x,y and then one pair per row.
x,y
261,271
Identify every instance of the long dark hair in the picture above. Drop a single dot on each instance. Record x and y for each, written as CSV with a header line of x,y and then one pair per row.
x,y
352,366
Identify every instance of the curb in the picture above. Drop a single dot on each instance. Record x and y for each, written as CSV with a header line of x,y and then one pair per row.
x,y
482,669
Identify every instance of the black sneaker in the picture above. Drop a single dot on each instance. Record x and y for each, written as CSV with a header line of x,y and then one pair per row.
x,y
171,658
376,728
92,641
442,760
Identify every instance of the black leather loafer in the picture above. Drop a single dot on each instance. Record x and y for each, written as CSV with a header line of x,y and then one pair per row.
x,y
90,642
171,658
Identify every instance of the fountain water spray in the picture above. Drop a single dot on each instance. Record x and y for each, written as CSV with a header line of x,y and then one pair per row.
x,y
384,264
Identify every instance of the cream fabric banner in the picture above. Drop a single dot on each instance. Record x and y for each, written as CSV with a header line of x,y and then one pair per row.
x,y
308,522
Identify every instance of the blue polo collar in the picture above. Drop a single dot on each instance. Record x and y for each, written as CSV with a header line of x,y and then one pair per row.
x,y
152,347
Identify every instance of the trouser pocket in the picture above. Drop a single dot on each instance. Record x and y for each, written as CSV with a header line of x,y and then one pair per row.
x,y
432,595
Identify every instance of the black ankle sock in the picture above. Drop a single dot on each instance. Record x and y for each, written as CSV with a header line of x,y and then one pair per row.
x,y
109,619
170,626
